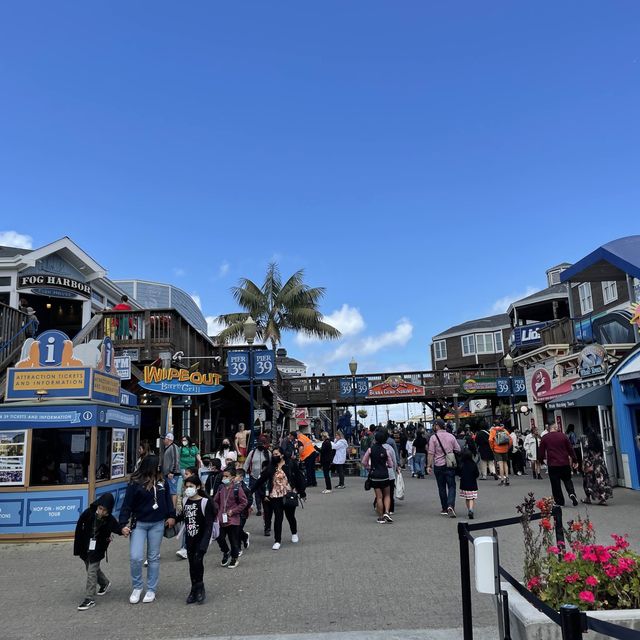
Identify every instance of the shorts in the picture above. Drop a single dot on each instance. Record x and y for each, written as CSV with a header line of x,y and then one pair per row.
x,y
501,457
380,484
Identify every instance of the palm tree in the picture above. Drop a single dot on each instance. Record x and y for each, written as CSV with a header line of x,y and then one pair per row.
x,y
277,307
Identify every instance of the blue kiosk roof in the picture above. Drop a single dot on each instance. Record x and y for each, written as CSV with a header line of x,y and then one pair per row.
x,y
608,262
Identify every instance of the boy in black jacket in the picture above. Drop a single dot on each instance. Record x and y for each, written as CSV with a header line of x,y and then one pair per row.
x,y
93,535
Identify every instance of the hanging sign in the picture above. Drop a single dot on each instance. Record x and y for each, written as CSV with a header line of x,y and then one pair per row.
x,y
57,286
346,387
180,381
395,387
592,361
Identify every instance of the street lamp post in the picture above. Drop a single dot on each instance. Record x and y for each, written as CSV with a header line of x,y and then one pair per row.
x,y
250,328
508,363
455,409
353,367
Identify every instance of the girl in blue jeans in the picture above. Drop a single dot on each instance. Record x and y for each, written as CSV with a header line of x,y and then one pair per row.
x,y
148,504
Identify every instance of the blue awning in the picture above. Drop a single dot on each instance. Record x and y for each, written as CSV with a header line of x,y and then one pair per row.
x,y
587,397
607,262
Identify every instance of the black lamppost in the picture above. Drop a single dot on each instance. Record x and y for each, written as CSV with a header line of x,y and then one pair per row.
x,y
353,367
508,363
250,328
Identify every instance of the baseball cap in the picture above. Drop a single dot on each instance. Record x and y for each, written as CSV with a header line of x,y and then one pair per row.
x,y
168,436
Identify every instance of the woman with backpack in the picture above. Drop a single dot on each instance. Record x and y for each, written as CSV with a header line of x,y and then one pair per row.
x,y
284,488
198,515
379,460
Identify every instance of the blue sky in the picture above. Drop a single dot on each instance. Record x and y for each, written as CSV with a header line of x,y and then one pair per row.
x,y
424,161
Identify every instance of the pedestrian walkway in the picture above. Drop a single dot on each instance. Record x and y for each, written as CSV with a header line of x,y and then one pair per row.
x,y
347,574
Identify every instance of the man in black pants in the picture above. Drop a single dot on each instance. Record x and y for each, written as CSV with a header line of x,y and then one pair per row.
x,y
326,458
557,449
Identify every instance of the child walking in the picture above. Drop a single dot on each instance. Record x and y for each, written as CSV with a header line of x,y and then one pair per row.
x,y
239,485
92,537
198,515
230,504
469,481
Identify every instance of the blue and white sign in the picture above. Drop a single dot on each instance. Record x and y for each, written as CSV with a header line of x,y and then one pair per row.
x,y
52,345
123,367
54,511
503,386
69,416
264,365
11,512
528,335
346,387
128,399
238,365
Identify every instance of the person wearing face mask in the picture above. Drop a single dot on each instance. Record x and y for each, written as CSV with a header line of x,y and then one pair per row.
x,y
253,466
282,477
198,515
227,451
230,502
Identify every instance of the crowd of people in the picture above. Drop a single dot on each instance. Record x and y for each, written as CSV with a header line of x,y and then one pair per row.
x,y
208,498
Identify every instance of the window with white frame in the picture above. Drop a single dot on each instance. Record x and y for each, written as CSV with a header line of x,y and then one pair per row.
x,y
484,343
468,345
586,300
497,337
609,291
440,349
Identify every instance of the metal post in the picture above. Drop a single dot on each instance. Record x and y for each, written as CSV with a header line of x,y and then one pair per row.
x,y
570,622
455,409
355,409
512,397
251,418
465,580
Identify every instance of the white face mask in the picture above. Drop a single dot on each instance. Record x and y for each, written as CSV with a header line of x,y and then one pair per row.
x,y
190,492
185,443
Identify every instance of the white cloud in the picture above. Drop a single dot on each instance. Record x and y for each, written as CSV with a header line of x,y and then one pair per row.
x,y
197,300
15,239
372,344
502,304
348,320
179,272
223,269
214,326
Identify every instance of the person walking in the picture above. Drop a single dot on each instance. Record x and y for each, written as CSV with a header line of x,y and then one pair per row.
x,y
379,459
214,479
559,453
147,503
171,465
253,465
469,481
419,452
226,453
144,450
441,459
595,481
340,457
531,444
326,458
517,460
91,539
282,479
198,515
230,502
487,464
500,443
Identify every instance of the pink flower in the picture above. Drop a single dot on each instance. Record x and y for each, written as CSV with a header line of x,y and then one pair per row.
x,y
587,596
533,583
621,541
626,564
553,549
603,554
569,557
612,571
572,577
545,523
592,581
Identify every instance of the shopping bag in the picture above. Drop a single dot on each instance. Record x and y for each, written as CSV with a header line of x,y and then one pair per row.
x,y
399,492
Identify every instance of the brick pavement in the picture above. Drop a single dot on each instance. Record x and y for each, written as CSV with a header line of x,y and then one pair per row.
x,y
347,574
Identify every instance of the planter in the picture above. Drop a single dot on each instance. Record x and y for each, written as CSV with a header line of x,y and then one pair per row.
x,y
527,623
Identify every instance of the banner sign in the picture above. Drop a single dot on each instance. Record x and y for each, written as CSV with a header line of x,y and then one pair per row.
x,y
503,386
395,387
346,387
79,416
180,382
528,335
262,365
478,385
59,286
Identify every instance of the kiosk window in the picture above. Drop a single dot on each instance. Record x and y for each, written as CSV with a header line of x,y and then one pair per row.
x,y
103,457
132,449
59,456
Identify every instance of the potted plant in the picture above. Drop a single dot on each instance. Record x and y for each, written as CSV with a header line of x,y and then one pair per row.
x,y
601,579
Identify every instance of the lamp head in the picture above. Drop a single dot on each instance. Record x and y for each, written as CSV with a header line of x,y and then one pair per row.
x,y
508,362
353,366
250,329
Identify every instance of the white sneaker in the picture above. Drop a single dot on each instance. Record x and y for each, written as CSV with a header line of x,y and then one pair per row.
x,y
326,491
182,553
150,596
276,546
134,598
294,538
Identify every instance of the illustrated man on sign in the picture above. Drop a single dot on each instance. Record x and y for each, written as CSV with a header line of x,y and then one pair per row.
x,y
242,436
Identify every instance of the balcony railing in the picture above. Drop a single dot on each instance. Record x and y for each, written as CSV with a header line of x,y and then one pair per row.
x,y
558,332
15,328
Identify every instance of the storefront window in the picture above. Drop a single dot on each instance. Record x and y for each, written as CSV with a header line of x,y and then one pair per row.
x,y
133,436
103,457
59,456
12,458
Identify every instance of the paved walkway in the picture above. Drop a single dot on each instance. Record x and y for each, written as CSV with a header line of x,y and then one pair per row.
x,y
348,574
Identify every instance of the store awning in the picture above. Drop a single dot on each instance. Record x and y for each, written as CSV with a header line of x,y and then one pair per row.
x,y
630,371
587,397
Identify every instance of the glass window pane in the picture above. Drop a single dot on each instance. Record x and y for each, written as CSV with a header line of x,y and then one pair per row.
x,y
103,459
59,456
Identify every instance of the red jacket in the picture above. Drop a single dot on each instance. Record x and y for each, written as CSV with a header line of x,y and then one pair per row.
x,y
229,503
